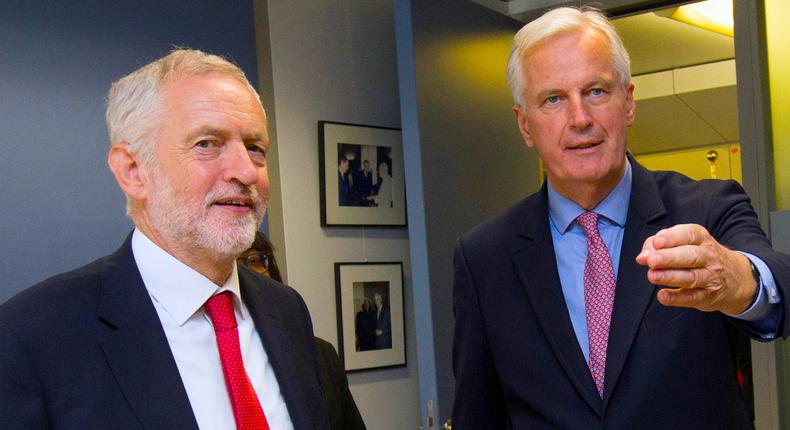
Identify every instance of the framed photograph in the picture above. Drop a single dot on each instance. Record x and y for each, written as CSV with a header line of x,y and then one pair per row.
x,y
361,175
370,315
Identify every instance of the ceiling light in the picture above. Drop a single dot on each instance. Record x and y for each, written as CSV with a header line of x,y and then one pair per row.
x,y
712,15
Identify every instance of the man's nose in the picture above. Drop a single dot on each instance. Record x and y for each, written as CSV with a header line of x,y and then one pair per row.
x,y
239,164
580,118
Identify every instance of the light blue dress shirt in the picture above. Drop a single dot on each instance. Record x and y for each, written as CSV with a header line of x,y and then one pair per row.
x,y
570,247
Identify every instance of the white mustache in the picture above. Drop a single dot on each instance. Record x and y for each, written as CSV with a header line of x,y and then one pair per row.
x,y
250,191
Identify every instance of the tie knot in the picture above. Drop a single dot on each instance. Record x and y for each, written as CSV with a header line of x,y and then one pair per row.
x,y
220,309
589,222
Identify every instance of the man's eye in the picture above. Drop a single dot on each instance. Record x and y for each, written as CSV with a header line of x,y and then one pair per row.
x,y
204,143
257,154
595,92
551,100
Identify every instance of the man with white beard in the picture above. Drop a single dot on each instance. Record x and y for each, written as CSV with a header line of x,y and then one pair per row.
x,y
168,332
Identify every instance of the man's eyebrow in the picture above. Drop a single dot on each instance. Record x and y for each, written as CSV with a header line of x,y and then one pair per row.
x,y
606,83
205,132
254,136
215,132
550,92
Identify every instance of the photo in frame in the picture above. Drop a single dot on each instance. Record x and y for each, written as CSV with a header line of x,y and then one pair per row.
x,y
361,175
370,315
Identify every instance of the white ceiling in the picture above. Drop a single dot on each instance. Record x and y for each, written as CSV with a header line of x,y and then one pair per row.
x,y
673,121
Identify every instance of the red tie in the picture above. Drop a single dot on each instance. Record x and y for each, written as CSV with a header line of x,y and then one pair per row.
x,y
598,296
246,408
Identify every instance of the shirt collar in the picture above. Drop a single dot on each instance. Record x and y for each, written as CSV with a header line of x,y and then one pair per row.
x,y
563,211
178,288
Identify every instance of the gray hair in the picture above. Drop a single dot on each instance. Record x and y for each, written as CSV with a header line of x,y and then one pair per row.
x,y
134,101
556,23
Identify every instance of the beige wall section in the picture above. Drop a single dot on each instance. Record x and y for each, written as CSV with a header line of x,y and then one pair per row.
x,y
777,14
695,163
336,61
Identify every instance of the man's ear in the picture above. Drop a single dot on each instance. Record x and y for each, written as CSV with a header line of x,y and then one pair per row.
x,y
523,128
127,170
630,111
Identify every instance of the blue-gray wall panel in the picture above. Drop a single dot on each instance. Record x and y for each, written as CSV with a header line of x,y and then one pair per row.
x,y
472,160
59,205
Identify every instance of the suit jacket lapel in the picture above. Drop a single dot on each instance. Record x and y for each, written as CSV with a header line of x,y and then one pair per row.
x,y
536,265
633,291
277,344
138,353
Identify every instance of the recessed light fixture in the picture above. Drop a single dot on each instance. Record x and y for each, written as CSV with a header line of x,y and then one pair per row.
x,y
712,15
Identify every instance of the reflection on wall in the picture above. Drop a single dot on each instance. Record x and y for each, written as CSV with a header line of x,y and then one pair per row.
x,y
777,14
712,162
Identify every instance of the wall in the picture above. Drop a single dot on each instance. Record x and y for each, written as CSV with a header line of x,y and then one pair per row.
x,y
463,142
335,61
777,12
59,205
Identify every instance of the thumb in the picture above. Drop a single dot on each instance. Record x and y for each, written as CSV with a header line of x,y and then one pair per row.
x,y
647,248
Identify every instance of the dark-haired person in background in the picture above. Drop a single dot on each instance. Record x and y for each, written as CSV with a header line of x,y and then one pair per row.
x,y
343,412
365,327
344,182
363,184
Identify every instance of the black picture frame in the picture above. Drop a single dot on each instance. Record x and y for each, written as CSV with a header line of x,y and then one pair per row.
x,y
361,196
370,338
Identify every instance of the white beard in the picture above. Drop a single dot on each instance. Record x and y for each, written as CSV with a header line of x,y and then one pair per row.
x,y
179,223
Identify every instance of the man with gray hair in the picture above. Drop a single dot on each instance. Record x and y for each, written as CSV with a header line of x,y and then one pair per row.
x,y
167,332
606,299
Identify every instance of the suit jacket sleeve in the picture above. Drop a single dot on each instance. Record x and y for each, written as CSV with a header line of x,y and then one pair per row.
x,y
343,412
478,396
736,226
21,394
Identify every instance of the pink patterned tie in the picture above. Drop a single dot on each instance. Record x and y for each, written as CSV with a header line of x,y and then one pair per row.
x,y
598,295
246,408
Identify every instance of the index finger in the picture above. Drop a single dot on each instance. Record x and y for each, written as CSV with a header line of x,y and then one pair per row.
x,y
681,234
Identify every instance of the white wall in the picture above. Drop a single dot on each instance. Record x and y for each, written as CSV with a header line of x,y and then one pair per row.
x,y
335,60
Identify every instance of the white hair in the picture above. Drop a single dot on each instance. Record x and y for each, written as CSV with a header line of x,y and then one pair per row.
x,y
556,23
134,101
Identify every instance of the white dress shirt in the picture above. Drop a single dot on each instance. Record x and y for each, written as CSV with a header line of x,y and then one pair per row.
x,y
178,293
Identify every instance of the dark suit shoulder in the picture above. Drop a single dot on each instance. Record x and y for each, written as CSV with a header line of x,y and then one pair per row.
x,y
331,371
264,295
57,294
269,288
721,206
676,186
493,241
509,222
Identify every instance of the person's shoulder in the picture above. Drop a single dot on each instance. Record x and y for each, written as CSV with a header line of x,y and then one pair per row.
x,y
324,348
677,186
59,294
668,180
268,287
684,200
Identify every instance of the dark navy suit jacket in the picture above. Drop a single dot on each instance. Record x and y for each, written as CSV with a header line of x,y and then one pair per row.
x,y
85,350
517,361
343,412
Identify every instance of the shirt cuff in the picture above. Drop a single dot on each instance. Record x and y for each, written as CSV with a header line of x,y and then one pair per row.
x,y
763,315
